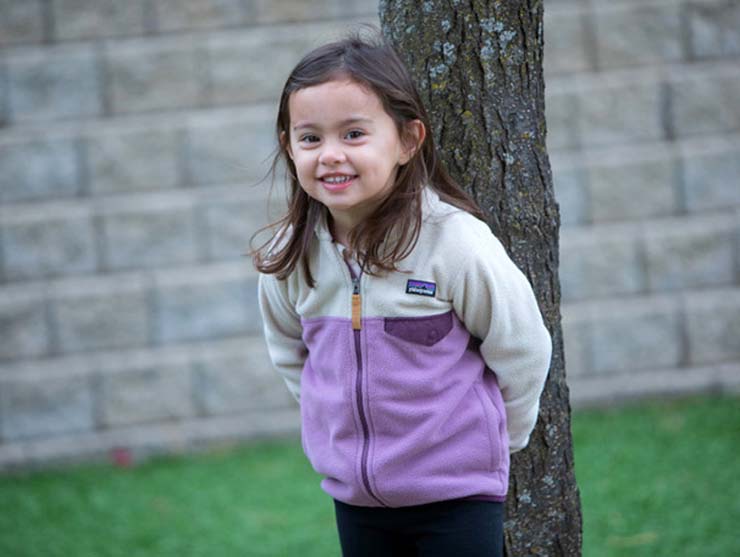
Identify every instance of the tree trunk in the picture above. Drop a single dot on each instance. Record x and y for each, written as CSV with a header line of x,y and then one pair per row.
x,y
478,67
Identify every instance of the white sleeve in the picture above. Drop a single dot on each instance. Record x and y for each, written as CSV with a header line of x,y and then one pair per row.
x,y
283,332
496,303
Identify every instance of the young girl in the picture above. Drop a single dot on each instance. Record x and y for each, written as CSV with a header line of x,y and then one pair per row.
x,y
413,344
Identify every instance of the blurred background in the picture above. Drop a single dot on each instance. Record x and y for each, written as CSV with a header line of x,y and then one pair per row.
x,y
133,137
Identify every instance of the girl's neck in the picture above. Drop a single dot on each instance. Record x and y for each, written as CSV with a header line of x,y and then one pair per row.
x,y
339,230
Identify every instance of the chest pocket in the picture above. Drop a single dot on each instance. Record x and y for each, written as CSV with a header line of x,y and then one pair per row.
x,y
426,331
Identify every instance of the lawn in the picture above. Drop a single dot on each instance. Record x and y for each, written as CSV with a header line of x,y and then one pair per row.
x,y
656,479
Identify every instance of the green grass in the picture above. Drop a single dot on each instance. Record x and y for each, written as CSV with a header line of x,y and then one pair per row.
x,y
658,479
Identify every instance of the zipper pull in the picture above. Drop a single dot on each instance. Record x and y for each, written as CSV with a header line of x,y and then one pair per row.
x,y
356,304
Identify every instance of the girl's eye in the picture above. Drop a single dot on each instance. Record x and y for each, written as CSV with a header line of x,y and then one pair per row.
x,y
308,138
355,134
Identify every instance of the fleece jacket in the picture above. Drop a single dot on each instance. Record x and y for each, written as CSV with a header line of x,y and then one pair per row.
x,y
414,386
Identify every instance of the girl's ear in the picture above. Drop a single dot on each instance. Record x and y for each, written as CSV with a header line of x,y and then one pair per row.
x,y
414,135
285,143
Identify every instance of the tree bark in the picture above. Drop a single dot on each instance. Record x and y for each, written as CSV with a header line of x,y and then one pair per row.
x,y
478,67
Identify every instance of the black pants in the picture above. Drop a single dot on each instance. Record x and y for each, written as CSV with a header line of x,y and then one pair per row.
x,y
457,528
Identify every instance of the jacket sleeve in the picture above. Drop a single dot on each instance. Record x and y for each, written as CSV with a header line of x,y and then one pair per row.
x,y
496,303
283,332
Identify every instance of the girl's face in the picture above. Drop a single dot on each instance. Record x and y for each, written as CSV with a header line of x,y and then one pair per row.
x,y
346,148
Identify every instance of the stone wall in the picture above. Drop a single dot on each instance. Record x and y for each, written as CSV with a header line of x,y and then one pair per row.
x,y
133,137
644,138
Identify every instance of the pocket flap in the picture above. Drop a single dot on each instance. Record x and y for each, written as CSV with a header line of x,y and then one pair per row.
x,y
420,330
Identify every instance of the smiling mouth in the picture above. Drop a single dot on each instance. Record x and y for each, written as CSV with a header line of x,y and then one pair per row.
x,y
335,183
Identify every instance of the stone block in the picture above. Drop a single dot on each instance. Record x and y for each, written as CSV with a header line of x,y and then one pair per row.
x,y
633,190
60,452
638,335
230,224
238,382
711,180
713,324
577,342
47,248
620,114
87,19
39,169
24,331
655,383
252,311
728,378
571,194
149,239
565,43
597,265
367,11
640,35
4,116
691,253
12,457
133,160
237,69
225,431
737,243
154,75
44,408
561,110
55,83
238,149
267,11
205,307
22,21
145,395
175,15
706,104
90,317
714,28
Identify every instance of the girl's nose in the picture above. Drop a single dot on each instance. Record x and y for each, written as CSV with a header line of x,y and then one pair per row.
x,y
331,154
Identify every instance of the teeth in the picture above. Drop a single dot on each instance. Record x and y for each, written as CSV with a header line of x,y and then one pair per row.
x,y
337,179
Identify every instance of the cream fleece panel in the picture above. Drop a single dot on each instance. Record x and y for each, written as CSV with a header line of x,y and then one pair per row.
x,y
495,301
283,331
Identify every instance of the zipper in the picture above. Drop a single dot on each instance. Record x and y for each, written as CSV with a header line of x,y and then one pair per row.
x,y
357,331
363,420
356,304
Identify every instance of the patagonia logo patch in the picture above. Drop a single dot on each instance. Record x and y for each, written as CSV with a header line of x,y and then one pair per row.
x,y
421,288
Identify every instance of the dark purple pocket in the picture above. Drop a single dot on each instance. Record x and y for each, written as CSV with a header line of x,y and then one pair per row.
x,y
420,330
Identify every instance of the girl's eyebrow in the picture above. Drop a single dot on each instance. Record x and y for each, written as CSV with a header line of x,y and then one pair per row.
x,y
347,122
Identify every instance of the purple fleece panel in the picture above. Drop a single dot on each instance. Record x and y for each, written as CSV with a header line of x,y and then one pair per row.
x,y
331,433
435,413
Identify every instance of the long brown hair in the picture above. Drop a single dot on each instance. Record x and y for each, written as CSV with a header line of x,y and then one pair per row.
x,y
391,232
